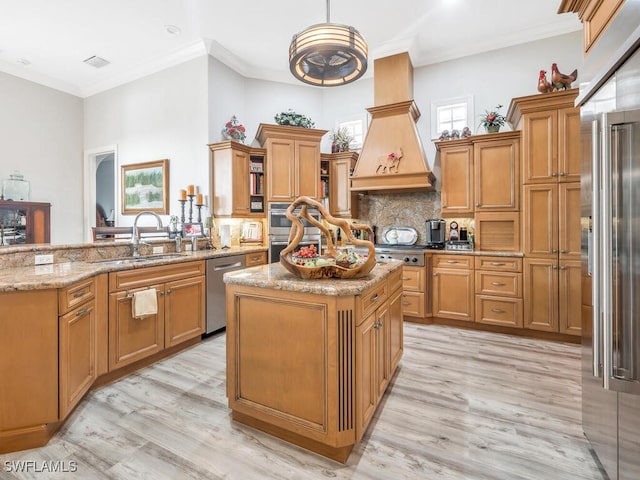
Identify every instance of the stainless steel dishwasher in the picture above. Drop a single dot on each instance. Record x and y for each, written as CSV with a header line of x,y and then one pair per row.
x,y
216,305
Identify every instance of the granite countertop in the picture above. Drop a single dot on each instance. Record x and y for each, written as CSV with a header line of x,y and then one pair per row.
x,y
58,275
274,276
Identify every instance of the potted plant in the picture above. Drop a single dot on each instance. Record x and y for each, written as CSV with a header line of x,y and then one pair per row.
x,y
293,119
492,120
340,139
234,130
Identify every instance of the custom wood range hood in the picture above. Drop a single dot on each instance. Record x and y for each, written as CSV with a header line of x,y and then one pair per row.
x,y
392,158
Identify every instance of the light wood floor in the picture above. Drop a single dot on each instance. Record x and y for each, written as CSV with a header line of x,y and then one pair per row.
x,y
463,405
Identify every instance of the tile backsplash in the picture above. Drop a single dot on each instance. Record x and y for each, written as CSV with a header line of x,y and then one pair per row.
x,y
400,210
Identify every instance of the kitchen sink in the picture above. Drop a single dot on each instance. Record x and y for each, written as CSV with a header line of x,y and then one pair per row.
x,y
142,258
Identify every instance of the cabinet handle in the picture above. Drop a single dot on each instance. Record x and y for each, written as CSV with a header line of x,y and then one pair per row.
x,y
497,310
435,274
554,174
406,303
168,291
554,250
82,312
497,264
79,294
555,267
498,284
452,261
374,298
563,174
563,251
161,294
478,204
563,267
406,278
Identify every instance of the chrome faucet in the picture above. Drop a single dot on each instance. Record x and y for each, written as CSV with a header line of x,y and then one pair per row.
x,y
135,237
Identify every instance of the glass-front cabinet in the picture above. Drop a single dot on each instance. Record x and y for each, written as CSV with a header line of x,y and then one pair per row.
x,y
24,222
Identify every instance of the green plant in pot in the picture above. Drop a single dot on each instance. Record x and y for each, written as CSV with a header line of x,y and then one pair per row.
x,y
492,120
340,139
293,119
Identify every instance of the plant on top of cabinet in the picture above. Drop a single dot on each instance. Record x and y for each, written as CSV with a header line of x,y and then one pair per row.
x,y
293,119
492,120
234,130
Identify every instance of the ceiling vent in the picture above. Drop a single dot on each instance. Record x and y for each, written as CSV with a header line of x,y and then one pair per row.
x,y
96,61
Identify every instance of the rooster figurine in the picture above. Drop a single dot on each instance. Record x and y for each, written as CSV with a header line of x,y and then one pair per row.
x,y
561,81
543,84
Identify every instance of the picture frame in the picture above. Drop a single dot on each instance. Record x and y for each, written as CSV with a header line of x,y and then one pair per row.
x,y
145,187
195,229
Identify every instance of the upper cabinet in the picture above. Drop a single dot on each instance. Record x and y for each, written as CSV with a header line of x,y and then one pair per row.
x,y
293,161
237,179
596,15
550,127
24,222
480,173
456,172
335,173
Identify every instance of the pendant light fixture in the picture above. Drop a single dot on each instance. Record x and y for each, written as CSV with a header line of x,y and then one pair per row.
x,y
328,54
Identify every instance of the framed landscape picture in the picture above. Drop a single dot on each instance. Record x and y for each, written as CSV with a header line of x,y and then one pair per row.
x,y
145,187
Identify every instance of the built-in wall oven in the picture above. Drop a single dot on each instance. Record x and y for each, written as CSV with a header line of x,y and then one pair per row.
x,y
280,227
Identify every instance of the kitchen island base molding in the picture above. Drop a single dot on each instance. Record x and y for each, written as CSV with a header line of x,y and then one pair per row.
x,y
339,454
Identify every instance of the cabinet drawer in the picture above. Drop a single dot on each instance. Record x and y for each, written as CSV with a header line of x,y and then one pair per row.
x,y
413,304
499,311
373,298
395,280
139,277
506,284
453,261
502,264
76,294
413,279
256,258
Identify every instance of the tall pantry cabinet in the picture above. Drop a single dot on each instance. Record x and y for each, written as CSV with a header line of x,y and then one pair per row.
x,y
550,221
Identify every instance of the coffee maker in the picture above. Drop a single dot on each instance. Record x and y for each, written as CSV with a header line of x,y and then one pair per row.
x,y
436,233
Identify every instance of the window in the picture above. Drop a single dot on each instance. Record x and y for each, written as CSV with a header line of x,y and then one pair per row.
x,y
451,114
357,129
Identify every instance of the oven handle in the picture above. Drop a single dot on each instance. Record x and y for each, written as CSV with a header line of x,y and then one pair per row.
x,y
307,242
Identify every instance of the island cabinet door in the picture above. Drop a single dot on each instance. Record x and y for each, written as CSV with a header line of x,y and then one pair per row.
x,y
395,331
184,308
130,338
366,378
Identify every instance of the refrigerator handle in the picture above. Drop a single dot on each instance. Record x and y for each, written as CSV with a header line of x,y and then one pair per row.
x,y
606,258
593,245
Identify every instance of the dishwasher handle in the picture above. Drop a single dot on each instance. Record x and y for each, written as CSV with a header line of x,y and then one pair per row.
x,y
227,266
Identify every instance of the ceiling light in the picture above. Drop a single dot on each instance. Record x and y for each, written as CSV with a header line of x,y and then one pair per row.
x,y
96,61
172,30
328,54
23,61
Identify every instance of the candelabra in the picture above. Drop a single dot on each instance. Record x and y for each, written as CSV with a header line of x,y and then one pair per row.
x,y
191,197
199,207
182,203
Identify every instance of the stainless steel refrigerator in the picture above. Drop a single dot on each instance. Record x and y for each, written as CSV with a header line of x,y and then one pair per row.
x,y
610,114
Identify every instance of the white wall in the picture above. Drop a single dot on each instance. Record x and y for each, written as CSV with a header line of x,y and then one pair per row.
x,y
164,115
41,136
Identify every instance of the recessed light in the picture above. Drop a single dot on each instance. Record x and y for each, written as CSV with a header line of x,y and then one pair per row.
x,y
23,61
172,30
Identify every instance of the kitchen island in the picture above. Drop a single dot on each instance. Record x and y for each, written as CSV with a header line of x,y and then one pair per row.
x,y
308,361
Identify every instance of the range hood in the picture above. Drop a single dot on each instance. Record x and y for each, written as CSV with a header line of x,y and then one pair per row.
x,y
392,159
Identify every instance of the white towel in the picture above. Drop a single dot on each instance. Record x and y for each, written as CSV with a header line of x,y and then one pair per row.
x,y
145,302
